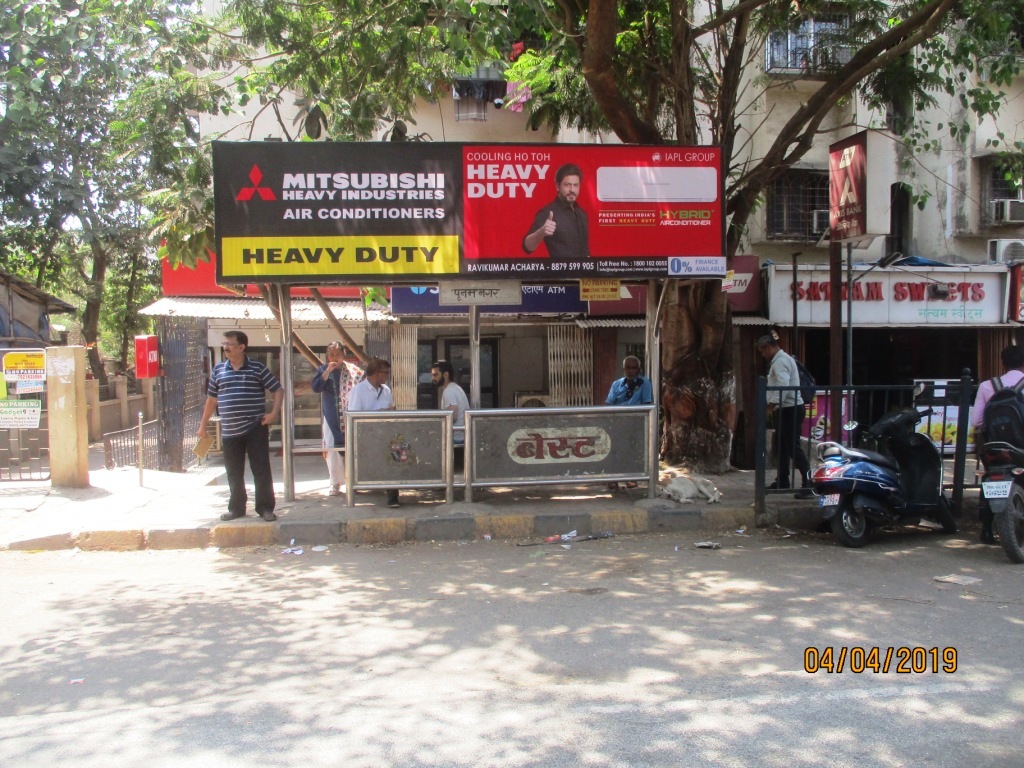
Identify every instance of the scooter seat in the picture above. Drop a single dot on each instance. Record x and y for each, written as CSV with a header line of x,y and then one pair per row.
x,y
874,457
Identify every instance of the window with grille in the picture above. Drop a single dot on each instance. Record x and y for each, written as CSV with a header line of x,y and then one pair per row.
x,y
818,44
1005,181
798,206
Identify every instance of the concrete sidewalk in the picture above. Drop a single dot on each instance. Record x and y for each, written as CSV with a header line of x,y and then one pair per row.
x,y
178,511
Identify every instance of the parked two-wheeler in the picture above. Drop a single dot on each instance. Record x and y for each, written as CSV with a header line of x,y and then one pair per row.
x,y
861,489
1002,485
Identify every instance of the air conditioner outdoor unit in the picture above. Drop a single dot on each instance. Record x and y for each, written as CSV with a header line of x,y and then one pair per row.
x,y
820,221
1007,211
1004,251
525,400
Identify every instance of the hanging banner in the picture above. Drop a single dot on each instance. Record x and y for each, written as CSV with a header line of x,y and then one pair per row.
x,y
313,212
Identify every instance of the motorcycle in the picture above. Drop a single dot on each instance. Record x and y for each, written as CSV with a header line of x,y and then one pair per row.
x,y
1002,486
860,489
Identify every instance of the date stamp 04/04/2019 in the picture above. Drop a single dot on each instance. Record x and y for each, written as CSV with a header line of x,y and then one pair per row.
x,y
903,660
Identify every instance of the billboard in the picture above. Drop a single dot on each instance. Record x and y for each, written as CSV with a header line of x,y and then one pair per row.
x,y
307,213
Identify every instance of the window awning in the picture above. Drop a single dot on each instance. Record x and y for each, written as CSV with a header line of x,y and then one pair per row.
x,y
303,310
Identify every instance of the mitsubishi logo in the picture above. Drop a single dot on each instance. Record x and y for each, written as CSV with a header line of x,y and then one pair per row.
x,y
255,176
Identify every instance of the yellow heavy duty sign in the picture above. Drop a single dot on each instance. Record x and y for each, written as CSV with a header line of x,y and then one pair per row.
x,y
321,256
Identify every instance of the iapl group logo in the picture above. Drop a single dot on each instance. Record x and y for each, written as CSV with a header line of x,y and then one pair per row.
x,y
245,194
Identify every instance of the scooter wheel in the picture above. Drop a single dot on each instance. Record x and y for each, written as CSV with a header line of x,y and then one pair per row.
x,y
850,526
944,515
1010,525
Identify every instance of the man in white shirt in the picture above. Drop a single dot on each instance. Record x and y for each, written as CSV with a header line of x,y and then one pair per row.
x,y
373,394
453,397
790,407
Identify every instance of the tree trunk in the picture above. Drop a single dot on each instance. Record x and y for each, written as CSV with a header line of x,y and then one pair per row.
x,y
93,304
698,382
129,311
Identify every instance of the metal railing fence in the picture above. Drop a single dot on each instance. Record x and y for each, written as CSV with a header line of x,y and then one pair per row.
x,y
862,406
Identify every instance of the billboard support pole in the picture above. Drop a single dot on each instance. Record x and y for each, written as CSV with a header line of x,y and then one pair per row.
x,y
655,304
284,294
474,355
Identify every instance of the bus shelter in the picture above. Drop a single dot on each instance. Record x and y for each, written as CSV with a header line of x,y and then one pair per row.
x,y
308,214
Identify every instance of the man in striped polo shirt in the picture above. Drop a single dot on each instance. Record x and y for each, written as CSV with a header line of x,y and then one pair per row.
x,y
236,391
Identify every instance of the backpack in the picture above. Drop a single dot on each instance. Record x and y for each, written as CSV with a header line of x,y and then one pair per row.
x,y
808,386
1003,420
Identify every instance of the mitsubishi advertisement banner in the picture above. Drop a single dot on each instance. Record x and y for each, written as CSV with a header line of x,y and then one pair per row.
x,y
307,212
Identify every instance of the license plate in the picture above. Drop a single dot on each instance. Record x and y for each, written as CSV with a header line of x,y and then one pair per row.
x,y
996,490
831,500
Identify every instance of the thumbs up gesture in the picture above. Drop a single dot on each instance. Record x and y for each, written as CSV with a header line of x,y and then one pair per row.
x,y
550,226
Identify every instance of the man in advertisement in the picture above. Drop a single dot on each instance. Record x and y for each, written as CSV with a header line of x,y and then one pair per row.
x,y
562,225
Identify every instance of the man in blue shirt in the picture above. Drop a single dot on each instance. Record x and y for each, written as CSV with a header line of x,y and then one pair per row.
x,y
631,389
236,391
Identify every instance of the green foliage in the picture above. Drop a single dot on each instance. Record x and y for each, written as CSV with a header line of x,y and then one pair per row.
x,y
96,111
134,282
362,64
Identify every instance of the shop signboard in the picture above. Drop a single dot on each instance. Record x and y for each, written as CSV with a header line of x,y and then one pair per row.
x,y
314,212
913,296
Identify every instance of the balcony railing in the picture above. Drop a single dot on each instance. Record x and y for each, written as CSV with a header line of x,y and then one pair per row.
x,y
816,48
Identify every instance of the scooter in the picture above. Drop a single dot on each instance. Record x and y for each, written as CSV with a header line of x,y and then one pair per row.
x,y
1002,485
861,489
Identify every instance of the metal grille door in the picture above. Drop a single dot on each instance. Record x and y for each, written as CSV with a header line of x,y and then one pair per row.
x,y
186,360
570,365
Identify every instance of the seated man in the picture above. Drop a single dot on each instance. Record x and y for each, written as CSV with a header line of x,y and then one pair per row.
x,y
453,397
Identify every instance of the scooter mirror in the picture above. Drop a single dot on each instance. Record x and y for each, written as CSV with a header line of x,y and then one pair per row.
x,y
919,389
850,426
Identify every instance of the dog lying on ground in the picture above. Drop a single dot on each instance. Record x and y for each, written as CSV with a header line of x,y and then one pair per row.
x,y
684,488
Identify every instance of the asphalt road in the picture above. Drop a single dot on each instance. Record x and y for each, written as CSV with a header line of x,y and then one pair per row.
x,y
634,651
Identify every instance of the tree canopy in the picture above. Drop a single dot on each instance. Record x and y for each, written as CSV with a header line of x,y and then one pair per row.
x,y
95,103
98,147
659,72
